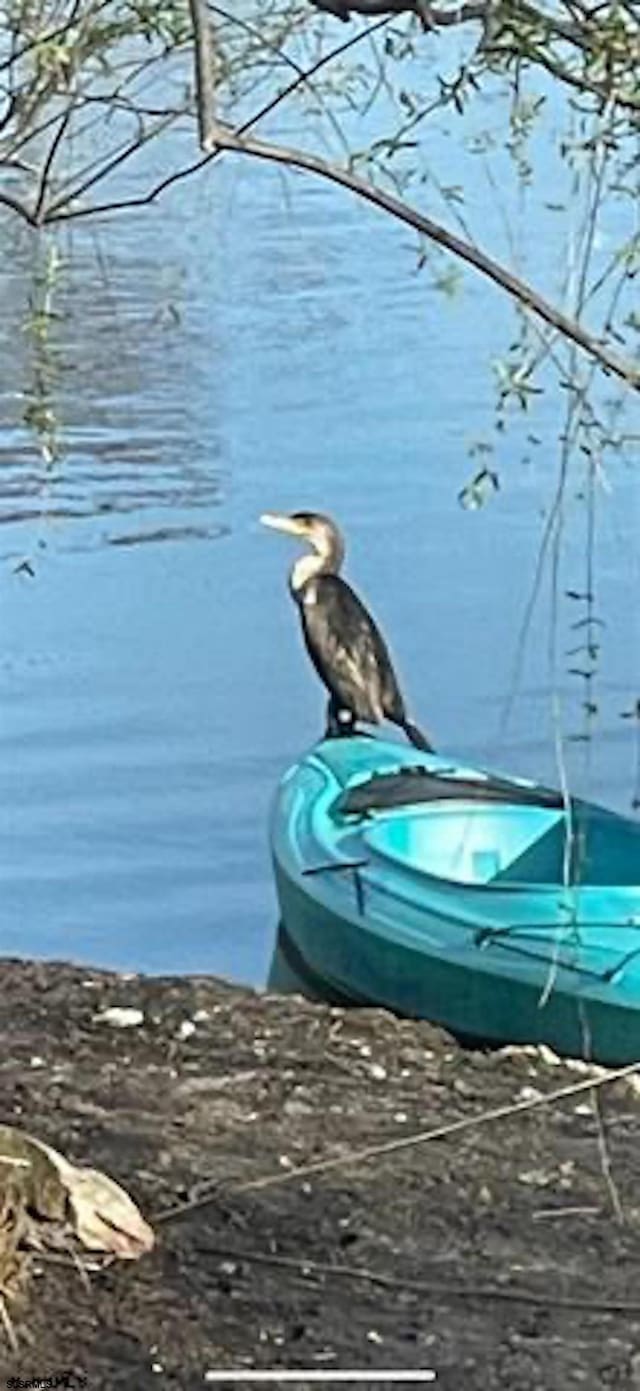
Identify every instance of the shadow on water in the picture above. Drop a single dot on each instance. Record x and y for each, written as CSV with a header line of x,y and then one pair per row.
x,y
282,976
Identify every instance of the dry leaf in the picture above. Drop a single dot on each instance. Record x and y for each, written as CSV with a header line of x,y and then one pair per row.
x,y
105,1218
102,1215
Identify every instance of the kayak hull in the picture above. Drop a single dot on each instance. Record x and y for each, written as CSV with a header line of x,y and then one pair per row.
x,y
492,960
331,962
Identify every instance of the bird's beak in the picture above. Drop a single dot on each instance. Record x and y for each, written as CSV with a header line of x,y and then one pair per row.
x,y
279,521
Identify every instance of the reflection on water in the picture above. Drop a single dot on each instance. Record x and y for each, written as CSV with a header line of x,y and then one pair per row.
x,y
236,350
112,384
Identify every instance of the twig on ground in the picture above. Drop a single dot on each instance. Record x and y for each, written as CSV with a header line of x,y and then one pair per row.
x,y
437,1289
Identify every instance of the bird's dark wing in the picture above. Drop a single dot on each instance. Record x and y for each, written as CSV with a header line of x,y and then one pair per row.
x,y
347,650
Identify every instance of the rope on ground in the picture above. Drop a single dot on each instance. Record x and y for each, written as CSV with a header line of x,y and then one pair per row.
x,y
440,1132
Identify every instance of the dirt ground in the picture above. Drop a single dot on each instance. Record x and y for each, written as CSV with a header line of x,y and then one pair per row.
x,y
492,1256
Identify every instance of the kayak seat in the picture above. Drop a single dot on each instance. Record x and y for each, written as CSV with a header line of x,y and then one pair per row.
x,y
474,844
542,862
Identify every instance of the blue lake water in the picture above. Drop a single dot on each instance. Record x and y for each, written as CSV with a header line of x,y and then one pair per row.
x,y
256,343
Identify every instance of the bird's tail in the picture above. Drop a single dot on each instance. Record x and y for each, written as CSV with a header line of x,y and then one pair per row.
x,y
416,737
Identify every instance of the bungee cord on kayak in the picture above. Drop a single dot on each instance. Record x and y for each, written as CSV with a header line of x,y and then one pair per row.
x,y
342,639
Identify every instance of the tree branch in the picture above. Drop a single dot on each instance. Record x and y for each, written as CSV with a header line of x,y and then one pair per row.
x,y
483,11
48,165
344,9
203,66
112,163
226,139
217,138
17,207
581,83
513,24
63,211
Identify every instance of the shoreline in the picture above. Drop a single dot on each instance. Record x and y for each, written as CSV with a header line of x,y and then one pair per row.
x,y
491,1255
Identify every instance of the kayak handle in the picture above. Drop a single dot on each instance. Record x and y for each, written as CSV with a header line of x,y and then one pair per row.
x,y
332,868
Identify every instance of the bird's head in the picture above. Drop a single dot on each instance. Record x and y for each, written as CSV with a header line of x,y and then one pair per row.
x,y
319,532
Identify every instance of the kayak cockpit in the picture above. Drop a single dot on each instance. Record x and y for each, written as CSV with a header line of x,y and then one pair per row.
x,y
474,844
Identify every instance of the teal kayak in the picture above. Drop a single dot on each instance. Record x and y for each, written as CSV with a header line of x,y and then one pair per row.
x,y
480,902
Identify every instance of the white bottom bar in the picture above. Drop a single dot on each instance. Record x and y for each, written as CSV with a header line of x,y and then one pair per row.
x,y
425,1374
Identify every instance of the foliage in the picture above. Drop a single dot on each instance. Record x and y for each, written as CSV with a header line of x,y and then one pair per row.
x,y
89,84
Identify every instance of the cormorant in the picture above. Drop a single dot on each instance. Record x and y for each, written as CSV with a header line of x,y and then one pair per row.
x,y
345,646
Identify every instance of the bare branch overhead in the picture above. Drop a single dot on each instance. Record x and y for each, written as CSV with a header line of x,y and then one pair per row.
x,y
523,293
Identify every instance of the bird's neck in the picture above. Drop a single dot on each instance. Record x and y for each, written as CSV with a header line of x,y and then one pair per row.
x,y
321,562
308,567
